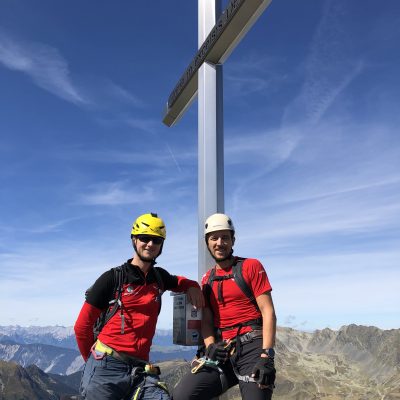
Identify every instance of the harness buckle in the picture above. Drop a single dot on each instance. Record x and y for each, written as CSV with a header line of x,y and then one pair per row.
x,y
198,364
152,369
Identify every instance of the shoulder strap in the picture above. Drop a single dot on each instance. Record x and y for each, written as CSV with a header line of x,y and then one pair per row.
x,y
161,288
114,303
211,277
119,276
207,288
159,280
237,270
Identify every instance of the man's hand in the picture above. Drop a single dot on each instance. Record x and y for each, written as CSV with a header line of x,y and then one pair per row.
x,y
264,372
195,297
217,352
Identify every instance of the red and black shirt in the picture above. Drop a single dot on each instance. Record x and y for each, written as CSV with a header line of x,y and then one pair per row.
x,y
140,307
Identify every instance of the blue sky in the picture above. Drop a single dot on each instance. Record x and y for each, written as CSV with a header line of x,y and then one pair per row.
x,y
312,153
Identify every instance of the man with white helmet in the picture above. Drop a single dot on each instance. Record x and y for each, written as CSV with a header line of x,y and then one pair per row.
x,y
238,325
127,299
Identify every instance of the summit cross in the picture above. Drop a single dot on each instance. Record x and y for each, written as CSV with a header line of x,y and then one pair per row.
x,y
219,32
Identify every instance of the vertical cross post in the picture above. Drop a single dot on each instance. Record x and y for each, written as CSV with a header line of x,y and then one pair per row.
x,y
210,133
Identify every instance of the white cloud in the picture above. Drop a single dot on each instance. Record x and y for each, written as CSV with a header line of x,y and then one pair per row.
x,y
145,124
330,68
333,289
269,149
117,193
52,278
253,74
43,64
124,95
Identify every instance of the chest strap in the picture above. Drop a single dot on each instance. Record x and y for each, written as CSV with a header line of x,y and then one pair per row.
x,y
255,324
220,280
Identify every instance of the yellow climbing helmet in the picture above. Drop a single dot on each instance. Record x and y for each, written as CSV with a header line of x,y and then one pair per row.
x,y
149,224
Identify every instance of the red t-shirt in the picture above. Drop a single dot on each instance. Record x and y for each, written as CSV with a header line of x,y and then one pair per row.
x,y
236,308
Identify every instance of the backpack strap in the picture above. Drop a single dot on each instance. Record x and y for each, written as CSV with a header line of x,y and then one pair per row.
x,y
161,288
207,289
119,276
113,304
237,270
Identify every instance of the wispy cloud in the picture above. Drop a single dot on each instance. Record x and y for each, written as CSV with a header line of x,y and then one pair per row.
x,y
262,152
320,93
330,68
270,148
50,227
123,94
331,187
145,124
114,193
254,74
52,276
157,159
306,287
43,64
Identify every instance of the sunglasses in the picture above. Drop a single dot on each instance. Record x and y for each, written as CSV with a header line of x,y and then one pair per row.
x,y
146,239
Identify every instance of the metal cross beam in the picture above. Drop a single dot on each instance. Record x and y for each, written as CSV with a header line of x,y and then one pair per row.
x,y
225,34
218,34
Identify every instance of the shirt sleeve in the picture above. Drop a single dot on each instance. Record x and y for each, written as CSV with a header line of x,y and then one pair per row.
x,y
102,291
256,277
176,283
206,290
84,328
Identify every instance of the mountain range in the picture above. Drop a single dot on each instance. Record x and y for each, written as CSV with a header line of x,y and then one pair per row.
x,y
354,362
53,349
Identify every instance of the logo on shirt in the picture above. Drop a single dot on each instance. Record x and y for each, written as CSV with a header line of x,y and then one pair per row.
x,y
131,291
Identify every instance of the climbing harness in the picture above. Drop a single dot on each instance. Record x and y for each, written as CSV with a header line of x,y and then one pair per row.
x,y
150,379
231,345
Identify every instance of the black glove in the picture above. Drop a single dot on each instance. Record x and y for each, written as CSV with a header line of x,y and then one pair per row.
x,y
217,352
264,371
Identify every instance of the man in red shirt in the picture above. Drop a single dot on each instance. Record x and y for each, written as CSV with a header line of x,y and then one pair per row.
x,y
238,329
116,362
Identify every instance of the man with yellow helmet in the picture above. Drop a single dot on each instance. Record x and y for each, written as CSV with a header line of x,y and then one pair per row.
x,y
117,360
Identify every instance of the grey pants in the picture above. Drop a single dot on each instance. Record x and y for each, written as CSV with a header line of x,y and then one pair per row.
x,y
110,379
207,383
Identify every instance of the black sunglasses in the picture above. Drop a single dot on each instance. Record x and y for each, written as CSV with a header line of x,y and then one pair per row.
x,y
147,239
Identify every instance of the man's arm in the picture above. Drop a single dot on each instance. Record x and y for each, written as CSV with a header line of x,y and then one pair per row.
x,y
266,306
84,328
181,284
195,297
214,351
207,326
264,370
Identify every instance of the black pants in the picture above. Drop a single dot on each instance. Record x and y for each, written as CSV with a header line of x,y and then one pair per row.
x,y
206,383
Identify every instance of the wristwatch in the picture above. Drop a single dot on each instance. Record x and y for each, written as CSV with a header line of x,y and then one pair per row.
x,y
270,352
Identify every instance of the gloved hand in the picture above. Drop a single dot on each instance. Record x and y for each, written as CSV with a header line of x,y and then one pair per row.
x,y
264,371
217,352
